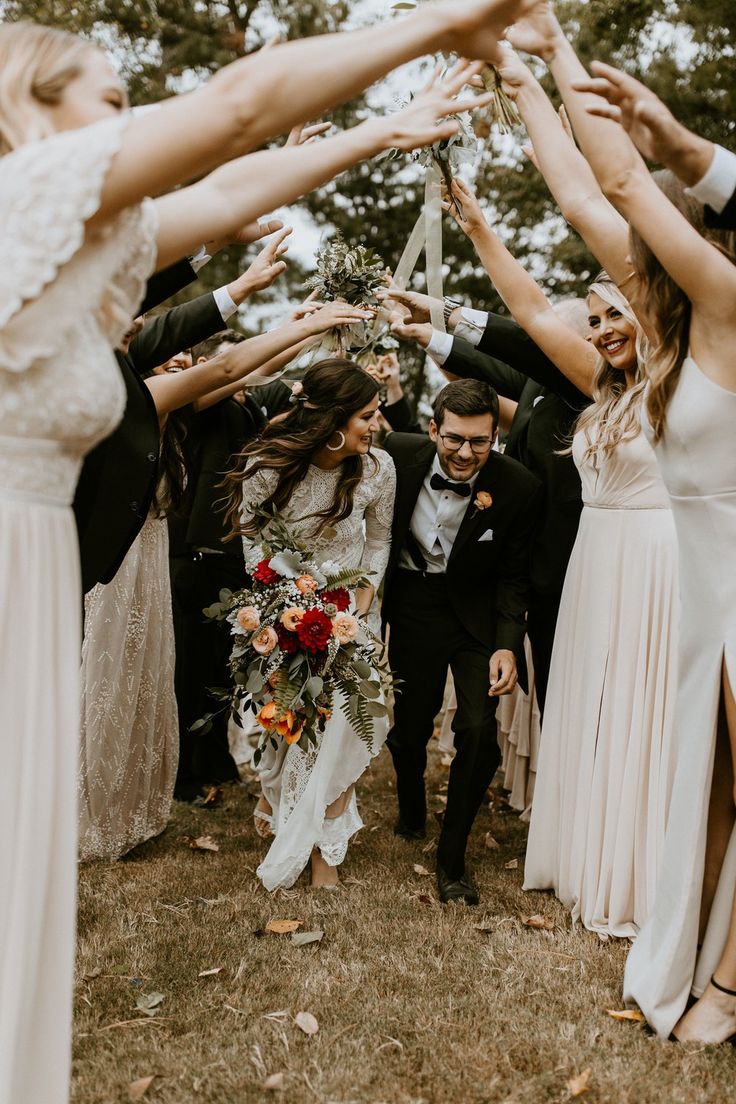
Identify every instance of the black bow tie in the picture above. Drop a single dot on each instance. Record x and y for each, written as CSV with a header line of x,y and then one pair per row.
x,y
439,483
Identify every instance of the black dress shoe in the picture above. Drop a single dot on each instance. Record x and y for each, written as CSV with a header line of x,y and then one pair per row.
x,y
456,889
407,833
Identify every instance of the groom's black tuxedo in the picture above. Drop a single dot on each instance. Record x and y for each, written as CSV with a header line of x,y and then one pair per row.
x,y
548,407
455,619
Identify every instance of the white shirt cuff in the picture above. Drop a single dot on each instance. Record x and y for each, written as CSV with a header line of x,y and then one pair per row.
x,y
719,183
440,346
472,325
225,303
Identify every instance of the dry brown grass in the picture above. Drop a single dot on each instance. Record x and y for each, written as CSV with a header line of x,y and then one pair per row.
x,y
415,1003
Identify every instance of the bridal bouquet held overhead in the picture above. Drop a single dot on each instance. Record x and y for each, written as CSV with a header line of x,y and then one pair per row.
x,y
299,649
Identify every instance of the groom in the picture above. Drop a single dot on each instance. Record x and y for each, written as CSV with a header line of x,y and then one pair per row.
x,y
456,596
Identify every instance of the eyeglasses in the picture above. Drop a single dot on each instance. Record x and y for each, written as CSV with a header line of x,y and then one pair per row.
x,y
453,443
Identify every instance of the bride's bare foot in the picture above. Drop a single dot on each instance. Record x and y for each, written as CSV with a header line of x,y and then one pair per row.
x,y
712,1019
324,876
262,818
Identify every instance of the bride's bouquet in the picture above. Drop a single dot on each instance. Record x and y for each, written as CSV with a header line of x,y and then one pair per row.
x,y
298,650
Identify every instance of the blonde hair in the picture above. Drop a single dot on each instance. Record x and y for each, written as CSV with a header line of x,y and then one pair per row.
x,y
667,307
36,65
614,413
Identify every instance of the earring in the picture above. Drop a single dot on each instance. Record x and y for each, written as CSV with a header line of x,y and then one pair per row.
x,y
336,448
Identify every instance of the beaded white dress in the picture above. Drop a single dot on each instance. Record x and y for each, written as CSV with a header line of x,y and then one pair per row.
x,y
66,298
129,748
301,785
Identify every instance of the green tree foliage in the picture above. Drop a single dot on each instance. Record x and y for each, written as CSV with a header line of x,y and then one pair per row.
x,y
681,48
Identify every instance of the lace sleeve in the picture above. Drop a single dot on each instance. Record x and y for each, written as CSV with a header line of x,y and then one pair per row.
x,y
53,269
378,520
255,491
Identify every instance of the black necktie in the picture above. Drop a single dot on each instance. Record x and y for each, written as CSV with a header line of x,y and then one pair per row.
x,y
439,483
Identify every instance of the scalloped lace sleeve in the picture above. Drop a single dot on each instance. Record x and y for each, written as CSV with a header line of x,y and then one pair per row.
x,y
379,514
54,270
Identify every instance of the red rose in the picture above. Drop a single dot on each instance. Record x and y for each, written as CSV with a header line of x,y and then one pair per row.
x,y
264,574
288,641
339,597
314,631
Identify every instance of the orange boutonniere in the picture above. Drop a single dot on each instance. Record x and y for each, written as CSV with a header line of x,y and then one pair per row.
x,y
483,500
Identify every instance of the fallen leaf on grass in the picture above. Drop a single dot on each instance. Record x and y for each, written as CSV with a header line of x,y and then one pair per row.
x,y
429,847
446,760
513,865
485,928
92,974
212,797
202,843
632,1014
442,798
491,843
283,927
421,870
210,973
541,923
423,898
307,1023
150,1003
274,1083
576,1086
138,1089
301,939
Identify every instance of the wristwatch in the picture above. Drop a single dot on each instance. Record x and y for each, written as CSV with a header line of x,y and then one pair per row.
x,y
450,306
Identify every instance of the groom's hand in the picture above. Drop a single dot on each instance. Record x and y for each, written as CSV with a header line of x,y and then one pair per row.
x,y
503,673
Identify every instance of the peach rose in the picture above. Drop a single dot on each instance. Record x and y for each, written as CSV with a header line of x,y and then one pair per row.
x,y
483,500
345,628
306,584
265,641
267,716
248,618
291,617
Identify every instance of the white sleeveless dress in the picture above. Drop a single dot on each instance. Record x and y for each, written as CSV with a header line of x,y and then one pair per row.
x,y
606,760
301,785
65,300
697,457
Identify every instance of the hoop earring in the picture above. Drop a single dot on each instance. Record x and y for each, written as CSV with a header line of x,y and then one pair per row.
x,y
336,448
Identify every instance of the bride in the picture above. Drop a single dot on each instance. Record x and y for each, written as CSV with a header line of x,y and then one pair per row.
x,y
315,464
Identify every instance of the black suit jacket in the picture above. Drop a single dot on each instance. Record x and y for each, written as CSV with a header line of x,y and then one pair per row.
x,y
214,437
548,407
488,580
118,478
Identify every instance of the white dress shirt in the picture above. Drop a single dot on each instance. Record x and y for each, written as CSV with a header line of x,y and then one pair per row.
x,y
471,326
225,303
719,183
435,522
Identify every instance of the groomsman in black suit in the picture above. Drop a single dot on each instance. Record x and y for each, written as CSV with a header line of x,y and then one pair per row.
x,y
455,597
489,347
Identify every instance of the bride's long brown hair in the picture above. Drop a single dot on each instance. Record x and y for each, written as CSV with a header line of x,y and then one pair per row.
x,y
666,305
332,391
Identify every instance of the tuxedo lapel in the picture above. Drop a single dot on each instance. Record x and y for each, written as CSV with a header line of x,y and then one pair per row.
x,y
473,517
411,475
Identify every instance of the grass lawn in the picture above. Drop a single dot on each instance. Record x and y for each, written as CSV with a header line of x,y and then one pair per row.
x,y
414,1002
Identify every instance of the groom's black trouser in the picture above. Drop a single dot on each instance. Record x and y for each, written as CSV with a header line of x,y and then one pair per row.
x,y
202,652
426,637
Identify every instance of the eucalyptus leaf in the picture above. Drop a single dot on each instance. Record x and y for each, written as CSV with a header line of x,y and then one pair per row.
x,y
370,689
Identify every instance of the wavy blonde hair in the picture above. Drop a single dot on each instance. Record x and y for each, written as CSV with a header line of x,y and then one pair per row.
x,y
36,65
614,412
667,307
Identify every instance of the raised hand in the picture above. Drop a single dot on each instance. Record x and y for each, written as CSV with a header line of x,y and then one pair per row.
x,y
413,304
513,72
421,122
268,265
336,314
651,125
538,32
301,135
466,211
407,330
301,310
473,29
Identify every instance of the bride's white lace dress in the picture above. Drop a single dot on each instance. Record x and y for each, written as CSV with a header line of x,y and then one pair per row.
x,y
301,785
66,297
